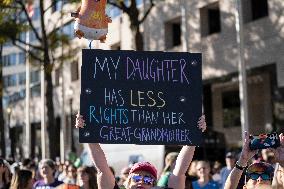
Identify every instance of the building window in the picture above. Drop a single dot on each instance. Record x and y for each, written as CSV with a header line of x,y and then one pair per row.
x,y
10,80
57,4
23,36
10,60
259,9
210,19
254,9
74,71
22,78
57,77
36,13
22,58
32,34
231,109
68,30
34,76
173,33
35,91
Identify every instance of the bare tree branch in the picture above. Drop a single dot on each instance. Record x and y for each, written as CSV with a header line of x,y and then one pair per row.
x,y
30,52
29,44
51,5
147,12
121,5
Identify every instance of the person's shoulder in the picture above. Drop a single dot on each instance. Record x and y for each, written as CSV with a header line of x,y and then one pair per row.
x,y
38,183
223,169
58,182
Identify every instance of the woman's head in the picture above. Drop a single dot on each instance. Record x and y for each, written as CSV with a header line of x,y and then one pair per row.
x,y
203,169
259,174
142,175
87,176
192,168
170,161
22,179
47,168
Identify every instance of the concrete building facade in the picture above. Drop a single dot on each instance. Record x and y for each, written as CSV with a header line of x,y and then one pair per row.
x,y
210,30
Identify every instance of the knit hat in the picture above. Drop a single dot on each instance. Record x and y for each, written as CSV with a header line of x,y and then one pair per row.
x,y
144,166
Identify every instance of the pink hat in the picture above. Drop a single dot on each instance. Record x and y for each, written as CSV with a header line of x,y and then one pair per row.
x,y
144,166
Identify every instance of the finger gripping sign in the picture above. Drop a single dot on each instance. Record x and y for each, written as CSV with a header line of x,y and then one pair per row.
x,y
137,97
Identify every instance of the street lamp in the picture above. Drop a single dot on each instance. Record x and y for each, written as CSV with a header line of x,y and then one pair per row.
x,y
9,149
70,93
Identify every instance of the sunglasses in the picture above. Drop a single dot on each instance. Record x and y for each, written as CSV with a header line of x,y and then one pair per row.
x,y
146,179
263,176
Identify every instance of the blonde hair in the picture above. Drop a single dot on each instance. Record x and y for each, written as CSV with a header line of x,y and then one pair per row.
x,y
192,171
169,161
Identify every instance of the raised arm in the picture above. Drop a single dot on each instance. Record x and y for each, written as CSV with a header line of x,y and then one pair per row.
x,y
177,179
235,175
279,152
105,178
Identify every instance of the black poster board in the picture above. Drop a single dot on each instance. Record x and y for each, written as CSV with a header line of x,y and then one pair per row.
x,y
138,97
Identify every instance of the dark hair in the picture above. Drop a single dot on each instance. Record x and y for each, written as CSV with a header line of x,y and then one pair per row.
x,y
21,179
4,163
1,162
92,173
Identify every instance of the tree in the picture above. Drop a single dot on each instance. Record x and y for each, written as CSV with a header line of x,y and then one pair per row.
x,y
48,39
135,18
5,27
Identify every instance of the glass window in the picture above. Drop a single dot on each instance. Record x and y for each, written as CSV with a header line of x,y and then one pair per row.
x,y
57,77
35,91
34,76
173,33
9,60
210,19
22,58
23,36
10,80
74,71
36,13
22,78
259,9
13,59
6,60
57,5
231,109
68,29
254,10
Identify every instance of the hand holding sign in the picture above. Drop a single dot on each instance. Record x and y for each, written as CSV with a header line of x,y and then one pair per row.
x,y
80,122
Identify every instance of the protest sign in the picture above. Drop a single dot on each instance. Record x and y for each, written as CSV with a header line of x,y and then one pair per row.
x,y
138,97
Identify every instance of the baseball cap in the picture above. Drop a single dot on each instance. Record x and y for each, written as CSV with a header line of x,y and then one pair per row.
x,y
230,155
260,167
144,166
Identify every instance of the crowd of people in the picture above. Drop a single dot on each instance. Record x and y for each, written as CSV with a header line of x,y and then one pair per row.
x,y
248,169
